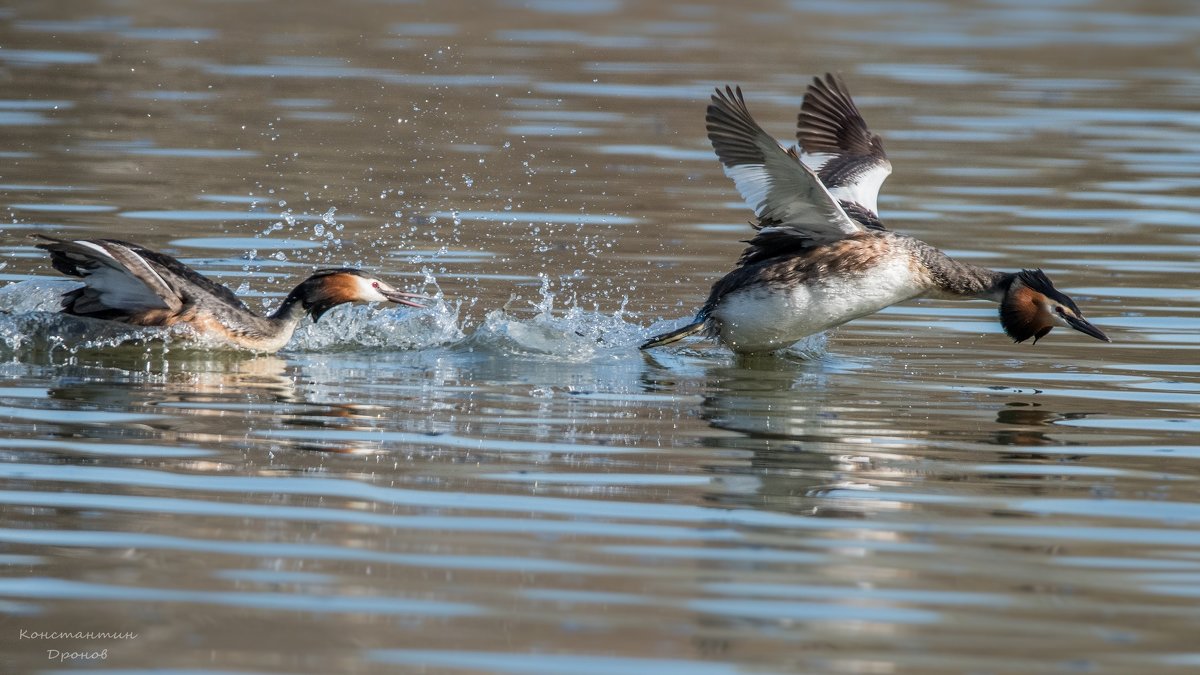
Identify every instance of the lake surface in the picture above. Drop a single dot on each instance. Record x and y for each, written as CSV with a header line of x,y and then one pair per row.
x,y
502,483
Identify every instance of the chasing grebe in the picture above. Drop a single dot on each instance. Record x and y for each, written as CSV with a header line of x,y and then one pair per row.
x,y
130,284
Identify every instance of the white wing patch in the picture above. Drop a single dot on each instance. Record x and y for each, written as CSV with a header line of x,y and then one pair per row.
x,y
112,288
815,160
116,277
773,191
137,266
95,247
864,190
839,147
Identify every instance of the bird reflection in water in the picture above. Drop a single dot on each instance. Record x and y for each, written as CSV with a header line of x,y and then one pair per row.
x,y
191,392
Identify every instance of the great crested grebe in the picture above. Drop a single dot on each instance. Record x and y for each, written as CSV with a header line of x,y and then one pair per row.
x,y
821,256
130,284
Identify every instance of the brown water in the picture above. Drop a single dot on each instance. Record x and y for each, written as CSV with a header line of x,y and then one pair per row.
x,y
502,483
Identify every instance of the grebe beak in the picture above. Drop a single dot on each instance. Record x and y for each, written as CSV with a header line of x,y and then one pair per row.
x,y
401,298
1080,324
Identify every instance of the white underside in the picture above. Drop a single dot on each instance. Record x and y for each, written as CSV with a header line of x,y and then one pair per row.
x,y
864,191
111,284
117,289
769,317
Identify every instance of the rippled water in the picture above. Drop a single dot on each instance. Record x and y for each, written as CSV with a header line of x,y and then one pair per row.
x,y
501,482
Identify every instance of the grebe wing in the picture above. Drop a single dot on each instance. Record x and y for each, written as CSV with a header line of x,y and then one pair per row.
x,y
116,278
122,277
837,144
787,196
181,270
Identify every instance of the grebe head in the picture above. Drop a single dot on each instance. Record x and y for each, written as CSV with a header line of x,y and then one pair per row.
x,y
1032,306
329,288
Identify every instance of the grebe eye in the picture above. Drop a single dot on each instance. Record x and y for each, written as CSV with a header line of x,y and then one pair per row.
x,y
375,284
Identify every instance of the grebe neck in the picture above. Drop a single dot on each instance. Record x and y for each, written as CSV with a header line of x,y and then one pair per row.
x,y
954,279
292,310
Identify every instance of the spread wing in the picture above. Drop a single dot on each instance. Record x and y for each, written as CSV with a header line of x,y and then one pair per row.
x,y
174,268
122,279
793,207
836,142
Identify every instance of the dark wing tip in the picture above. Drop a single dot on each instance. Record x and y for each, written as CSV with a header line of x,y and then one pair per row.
x,y
61,258
48,243
732,92
830,122
864,216
732,130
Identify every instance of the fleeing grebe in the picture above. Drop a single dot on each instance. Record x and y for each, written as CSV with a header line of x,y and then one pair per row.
x,y
821,256
130,284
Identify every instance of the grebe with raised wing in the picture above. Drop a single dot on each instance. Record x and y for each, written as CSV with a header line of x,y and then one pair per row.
x,y
131,284
821,255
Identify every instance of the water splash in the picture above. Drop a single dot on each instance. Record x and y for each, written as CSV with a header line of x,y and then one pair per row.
x,y
351,327
576,334
810,348
37,295
50,332
29,320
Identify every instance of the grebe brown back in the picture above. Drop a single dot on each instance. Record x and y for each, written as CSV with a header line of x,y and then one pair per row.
x,y
131,284
821,255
